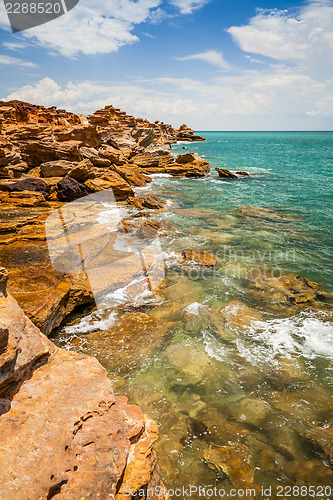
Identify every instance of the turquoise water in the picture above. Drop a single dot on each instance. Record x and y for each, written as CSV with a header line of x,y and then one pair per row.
x,y
293,172
242,392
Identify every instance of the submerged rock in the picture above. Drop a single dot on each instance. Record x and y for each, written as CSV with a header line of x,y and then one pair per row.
x,y
265,213
133,336
198,257
249,411
288,290
234,461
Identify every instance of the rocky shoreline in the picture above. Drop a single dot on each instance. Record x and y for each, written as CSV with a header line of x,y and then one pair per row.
x,y
54,166
65,433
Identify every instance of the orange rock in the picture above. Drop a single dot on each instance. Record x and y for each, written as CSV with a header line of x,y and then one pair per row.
x,y
199,257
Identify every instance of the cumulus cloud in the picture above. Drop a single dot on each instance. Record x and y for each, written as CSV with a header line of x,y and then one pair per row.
x,y
100,27
16,61
86,97
210,56
188,6
301,36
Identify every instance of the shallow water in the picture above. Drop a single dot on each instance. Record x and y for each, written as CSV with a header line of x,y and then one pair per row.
x,y
242,391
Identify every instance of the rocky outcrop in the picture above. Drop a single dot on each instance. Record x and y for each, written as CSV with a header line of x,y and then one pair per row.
x,y
185,133
225,174
64,432
49,157
290,290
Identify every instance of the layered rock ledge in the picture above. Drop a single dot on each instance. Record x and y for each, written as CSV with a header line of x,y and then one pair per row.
x,y
64,433
50,157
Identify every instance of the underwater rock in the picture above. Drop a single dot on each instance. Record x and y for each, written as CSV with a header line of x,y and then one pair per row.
x,y
266,213
234,461
250,411
133,336
288,290
219,431
198,257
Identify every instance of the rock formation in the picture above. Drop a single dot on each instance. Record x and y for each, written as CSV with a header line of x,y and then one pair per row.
x,y
64,432
49,157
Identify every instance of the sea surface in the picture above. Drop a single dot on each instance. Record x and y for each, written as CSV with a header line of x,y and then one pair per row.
x,y
242,392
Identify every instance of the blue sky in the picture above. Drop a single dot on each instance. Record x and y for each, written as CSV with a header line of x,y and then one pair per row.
x,y
213,64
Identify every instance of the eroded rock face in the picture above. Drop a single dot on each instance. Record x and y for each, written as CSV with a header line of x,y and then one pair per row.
x,y
63,430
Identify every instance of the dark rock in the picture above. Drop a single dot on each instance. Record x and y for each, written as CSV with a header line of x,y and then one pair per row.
x,y
244,174
225,174
30,184
69,189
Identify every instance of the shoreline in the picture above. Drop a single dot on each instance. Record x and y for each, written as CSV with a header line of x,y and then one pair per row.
x,y
142,329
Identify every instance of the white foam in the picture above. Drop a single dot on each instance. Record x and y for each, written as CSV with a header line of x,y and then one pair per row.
x,y
92,322
194,308
303,335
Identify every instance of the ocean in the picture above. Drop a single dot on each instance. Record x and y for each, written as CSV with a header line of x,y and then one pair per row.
x,y
241,391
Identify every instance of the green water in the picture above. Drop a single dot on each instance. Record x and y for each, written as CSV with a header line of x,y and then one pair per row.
x,y
259,393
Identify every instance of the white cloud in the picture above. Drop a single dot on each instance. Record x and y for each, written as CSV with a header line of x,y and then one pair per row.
x,y
100,27
275,99
302,36
92,28
14,45
16,61
188,6
210,56
87,97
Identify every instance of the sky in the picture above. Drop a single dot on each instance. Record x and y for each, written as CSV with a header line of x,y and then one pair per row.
x,y
212,64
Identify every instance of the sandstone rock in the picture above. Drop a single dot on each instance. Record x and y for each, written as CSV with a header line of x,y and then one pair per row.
x,y
23,345
144,136
121,189
78,442
81,171
250,411
192,361
149,201
186,158
152,162
114,155
242,173
132,175
289,289
30,184
24,199
239,315
69,189
234,461
56,168
134,336
198,257
265,213
225,174
185,133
